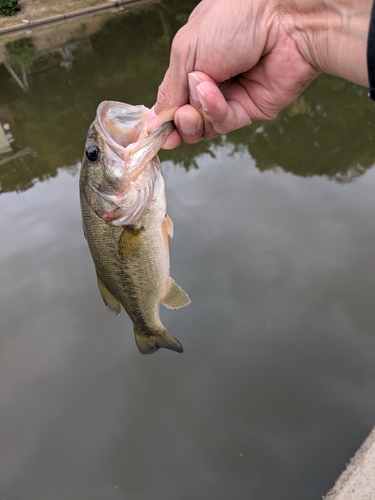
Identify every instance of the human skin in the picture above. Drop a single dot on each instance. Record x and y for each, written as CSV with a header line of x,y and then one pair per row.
x,y
238,61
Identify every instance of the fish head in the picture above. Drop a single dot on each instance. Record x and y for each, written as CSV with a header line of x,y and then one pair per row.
x,y
120,162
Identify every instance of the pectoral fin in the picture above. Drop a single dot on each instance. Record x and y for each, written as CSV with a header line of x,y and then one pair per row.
x,y
176,297
128,244
109,299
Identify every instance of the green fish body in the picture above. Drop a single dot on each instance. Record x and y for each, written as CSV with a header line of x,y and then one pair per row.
x,y
125,223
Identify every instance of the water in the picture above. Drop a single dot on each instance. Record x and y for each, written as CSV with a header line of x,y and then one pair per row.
x,y
274,242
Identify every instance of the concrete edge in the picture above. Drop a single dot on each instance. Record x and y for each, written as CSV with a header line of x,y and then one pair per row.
x,y
76,13
358,479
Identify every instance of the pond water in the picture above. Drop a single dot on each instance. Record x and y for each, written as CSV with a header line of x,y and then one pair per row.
x,y
274,242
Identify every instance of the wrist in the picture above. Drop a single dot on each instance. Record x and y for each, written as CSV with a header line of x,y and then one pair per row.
x,y
332,35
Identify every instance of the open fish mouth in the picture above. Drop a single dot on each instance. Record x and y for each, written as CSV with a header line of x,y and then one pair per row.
x,y
120,124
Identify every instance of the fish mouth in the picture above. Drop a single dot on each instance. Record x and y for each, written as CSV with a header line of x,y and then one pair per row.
x,y
130,165
120,124
123,131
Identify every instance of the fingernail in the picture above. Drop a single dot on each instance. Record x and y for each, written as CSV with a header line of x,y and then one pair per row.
x,y
187,124
202,97
193,83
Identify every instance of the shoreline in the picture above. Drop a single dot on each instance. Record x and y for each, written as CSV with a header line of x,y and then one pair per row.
x,y
28,25
356,482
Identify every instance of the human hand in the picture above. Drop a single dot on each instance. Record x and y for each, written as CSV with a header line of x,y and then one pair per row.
x,y
245,60
232,63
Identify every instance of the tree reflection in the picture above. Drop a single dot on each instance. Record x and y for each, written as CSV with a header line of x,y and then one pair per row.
x,y
21,54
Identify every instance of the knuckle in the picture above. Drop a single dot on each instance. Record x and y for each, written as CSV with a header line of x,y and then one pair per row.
x,y
183,50
178,43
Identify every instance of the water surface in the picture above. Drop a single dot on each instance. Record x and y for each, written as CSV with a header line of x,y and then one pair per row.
x,y
274,242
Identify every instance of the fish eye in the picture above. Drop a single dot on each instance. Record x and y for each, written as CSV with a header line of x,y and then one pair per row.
x,y
92,153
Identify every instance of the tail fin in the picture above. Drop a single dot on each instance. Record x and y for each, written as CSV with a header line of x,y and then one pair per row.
x,y
148,344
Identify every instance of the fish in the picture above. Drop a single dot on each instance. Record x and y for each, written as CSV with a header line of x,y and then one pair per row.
x,y
125,223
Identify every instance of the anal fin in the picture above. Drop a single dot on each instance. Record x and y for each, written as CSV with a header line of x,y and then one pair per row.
x,y
175,297
110,300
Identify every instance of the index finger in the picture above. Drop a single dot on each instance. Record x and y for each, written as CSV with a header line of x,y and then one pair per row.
x,y
173,92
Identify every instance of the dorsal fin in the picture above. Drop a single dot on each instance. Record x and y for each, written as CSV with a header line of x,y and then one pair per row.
x,y
169,224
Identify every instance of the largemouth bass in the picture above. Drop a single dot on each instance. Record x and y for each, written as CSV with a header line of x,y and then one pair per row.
x,y
125,221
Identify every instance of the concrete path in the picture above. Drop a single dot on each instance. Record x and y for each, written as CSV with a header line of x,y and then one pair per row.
x,y
357,482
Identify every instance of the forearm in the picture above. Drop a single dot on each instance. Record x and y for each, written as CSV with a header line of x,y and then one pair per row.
x,y
332,35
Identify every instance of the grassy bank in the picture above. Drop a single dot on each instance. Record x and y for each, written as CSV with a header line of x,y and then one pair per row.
x,y
33,10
